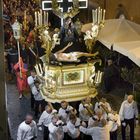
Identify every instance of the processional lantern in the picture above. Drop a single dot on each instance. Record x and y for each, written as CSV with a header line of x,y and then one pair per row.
x,y
17,27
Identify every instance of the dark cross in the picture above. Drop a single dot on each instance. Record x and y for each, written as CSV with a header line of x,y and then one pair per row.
x,y
65,5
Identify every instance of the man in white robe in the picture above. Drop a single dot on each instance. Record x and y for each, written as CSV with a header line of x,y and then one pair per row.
x,y
73,127
56,129
27,130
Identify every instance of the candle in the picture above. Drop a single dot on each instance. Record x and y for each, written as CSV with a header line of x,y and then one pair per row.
x,y
44,17
47,18
98,76
36,19
100,79
95,77
96,16
93,16
101,15
41,17
104,16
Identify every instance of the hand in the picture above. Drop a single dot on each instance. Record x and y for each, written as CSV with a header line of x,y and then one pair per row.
x,y
124,124
86,105
40,128
70,44
83,124
96,53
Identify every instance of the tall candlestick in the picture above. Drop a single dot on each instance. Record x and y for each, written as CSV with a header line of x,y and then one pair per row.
x,y
36,19
41,17
104,16
101,15
98,76
47,18
44,17
93,16
100,79
96,16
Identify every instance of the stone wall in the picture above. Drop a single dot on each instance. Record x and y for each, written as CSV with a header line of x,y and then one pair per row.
x,y
130,8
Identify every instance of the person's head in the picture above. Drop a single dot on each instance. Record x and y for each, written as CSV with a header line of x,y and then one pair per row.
x,y
99,113
103,100
48,109
37,83
72,118
114,112
109,62
28,118
64,104
88,100
33,73
55,118
68,21
130,98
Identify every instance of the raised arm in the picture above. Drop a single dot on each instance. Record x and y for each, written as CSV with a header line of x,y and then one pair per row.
x,y
61,51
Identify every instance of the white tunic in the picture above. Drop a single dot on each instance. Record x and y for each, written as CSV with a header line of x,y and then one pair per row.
x,y
128,110
98,106
114,121
63,113
97,133
45,119
73,132
30,81
27,132
37,94
84,115
91,120
56,133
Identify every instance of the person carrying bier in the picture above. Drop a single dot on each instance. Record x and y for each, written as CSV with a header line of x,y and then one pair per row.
x,y
45,119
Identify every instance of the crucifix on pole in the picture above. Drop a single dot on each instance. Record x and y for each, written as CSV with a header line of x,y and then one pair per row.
x,y
64,5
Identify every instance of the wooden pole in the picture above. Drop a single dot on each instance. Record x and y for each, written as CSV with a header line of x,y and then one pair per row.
x,y
3,112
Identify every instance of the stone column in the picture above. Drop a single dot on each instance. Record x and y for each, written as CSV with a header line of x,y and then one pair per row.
x,y
3,112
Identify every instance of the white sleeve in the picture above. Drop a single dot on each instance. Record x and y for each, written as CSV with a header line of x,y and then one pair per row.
x,y
35,129
81,108
73,131
34,91
87,131
136,110
121,112
30,80
96,106
19,133
41,119
109,107
90,122
118,121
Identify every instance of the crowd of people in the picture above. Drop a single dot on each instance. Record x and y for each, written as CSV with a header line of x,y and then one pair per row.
x,y
67,122
88,121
